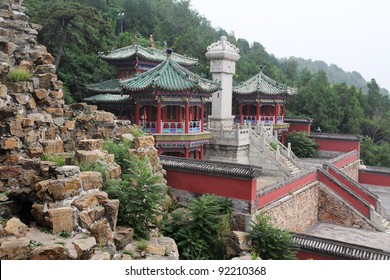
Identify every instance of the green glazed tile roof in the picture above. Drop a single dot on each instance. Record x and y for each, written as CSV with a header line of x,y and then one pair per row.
x,y
262,85
107,98
169,76
109,86
148,54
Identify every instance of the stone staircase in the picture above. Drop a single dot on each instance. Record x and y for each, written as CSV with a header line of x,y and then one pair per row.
x,y
266,145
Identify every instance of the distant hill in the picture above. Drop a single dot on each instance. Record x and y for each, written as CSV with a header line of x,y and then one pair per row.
x,y
335,74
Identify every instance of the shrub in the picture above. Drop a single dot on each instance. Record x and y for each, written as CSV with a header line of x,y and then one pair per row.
x,y
140,196
205,235
302,145
120,151
19,75
269,242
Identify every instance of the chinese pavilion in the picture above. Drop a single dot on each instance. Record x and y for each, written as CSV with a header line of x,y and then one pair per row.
x,y
128,61
261,99
169,103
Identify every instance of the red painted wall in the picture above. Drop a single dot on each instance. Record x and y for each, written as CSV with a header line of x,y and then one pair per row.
x,y
314,256
353,188
299,127
206,184
280,192
374,178
345,161
337,145
346,196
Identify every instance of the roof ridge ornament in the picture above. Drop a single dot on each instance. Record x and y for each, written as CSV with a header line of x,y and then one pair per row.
x,y
135,40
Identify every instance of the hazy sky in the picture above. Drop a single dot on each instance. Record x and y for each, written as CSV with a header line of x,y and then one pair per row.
x,y
353,34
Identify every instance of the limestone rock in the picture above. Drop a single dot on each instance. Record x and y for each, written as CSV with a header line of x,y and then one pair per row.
x,y
57,189
8,172
88,217
10,144
112,208
61,219
91,144
85,247
88,157
14,248
123,236
85,202
98,255
144,142
102,232
15,227
240,241
91,180
102,116
114,171
66,171
50,252
3,90
127,136
53,146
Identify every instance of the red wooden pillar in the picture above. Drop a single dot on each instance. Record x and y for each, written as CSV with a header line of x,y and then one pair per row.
x,y
137,113
159,120
201,116
258,111
187,152
241,116
201,152
187,118
277,112
196,155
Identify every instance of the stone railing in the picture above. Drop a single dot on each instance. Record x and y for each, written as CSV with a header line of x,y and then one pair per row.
x,y
271,139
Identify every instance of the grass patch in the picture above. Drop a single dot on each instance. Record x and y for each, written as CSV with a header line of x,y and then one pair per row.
x,y
65,234
141,245
33,244
19,75
57,159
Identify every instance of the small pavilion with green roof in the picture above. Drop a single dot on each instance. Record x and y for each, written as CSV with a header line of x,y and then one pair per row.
x,y
169,103
261,99
128,62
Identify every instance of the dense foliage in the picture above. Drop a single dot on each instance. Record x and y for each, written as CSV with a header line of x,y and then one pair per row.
x,y
269,242
302,145
75,31
140,196
202,230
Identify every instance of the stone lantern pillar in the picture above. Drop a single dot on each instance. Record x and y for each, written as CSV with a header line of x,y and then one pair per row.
x,y
223,56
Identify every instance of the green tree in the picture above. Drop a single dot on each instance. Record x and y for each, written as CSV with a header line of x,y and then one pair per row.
x,y
140,197
269,242
205,234
302,145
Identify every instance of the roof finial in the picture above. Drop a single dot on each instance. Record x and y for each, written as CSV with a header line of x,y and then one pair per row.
x,y
135,42
169,53
151,41
165,44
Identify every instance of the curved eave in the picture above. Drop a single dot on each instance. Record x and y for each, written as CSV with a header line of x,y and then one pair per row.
x,y
169,76
109,86
107,98
154,55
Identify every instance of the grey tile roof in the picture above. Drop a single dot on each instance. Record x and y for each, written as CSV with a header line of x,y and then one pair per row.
x,y
210,168
338,249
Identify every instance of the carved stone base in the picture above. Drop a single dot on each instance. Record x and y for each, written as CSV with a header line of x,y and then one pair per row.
x,y
216,123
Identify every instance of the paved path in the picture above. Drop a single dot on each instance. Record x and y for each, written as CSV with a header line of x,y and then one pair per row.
x,y
383,193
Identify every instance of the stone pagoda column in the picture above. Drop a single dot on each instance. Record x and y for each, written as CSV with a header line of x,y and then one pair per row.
x,y
223,56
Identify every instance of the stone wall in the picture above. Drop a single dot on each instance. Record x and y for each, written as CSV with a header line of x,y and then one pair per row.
x,y
297,211
333,209
352,170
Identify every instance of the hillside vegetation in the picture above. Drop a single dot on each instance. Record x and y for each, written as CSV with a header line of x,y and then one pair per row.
x,y
75,31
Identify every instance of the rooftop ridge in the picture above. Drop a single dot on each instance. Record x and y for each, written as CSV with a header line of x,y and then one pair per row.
x,y
339,248
211,167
